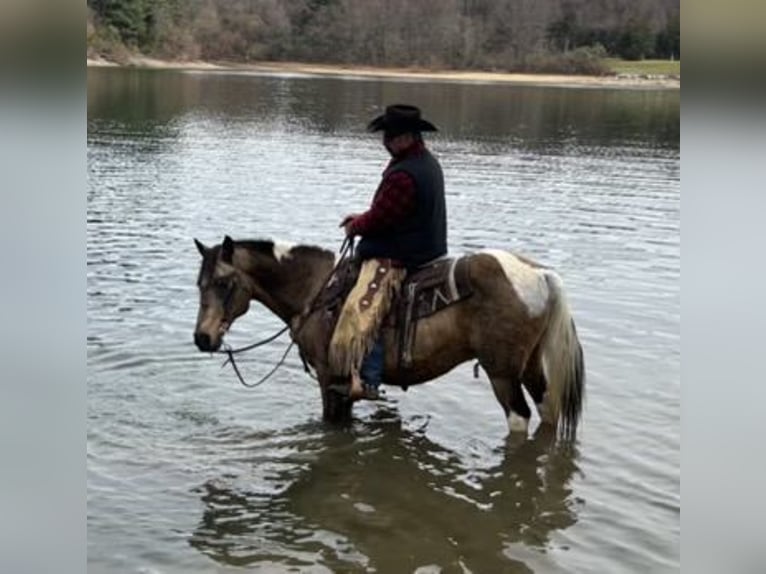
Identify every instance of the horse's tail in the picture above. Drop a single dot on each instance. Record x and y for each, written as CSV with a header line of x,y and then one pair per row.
x,y
563,363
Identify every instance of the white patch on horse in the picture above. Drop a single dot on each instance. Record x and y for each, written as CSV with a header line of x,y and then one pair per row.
x,y
517,423
528,282
282,249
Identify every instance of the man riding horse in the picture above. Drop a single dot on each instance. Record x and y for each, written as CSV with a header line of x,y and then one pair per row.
x,y
404,228
507,312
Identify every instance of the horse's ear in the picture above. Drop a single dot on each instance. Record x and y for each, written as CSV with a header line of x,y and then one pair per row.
x,y
227,249
201,248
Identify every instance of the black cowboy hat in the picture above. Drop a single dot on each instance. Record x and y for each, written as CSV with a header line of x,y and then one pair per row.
x,y
401,119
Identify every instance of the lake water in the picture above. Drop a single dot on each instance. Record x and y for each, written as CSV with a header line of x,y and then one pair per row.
x,y
190,472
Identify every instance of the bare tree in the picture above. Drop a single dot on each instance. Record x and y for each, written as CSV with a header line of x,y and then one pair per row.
x,y
435,33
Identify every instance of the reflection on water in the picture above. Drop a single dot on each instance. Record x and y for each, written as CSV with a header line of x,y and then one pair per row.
x,y
533,116
188,472
385,497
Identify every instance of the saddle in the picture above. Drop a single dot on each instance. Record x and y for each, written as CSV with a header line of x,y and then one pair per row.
x,y
426,290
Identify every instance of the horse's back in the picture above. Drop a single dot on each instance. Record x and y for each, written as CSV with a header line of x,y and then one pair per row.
x,y
493,271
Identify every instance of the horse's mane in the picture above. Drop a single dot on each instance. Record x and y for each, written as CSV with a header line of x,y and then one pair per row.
x,y
263,246
266,247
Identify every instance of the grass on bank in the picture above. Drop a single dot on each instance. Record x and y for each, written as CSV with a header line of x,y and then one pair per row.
x,y
641,67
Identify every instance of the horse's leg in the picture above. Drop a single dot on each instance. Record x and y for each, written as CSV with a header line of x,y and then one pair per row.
x,y
535,382
504,365
510,396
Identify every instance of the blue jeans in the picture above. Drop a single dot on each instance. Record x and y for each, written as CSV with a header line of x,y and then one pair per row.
x,y
373,364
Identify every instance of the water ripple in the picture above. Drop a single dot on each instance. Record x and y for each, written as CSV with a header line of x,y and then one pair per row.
x,y
187,471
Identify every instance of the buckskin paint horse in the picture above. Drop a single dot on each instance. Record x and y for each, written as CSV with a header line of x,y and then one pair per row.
x,y
517,325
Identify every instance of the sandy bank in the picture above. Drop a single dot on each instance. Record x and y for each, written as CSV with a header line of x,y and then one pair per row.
x,y
293,68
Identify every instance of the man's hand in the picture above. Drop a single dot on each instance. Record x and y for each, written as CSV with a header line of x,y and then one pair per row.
x,y
347,223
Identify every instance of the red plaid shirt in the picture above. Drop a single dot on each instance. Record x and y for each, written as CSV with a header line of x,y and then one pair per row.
x,y
394,201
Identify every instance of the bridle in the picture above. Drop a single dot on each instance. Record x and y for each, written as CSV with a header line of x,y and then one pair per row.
x,y
227,300
346,250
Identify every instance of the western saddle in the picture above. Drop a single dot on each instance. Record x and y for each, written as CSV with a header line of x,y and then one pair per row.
x,y
425,291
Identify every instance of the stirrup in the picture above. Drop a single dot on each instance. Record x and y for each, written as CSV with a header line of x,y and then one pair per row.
x,y
372,392
369,392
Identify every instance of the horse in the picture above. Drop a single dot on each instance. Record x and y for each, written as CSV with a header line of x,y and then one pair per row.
x,y
517,324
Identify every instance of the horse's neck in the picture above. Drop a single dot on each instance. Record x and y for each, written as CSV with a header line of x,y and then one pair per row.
x,y
288,284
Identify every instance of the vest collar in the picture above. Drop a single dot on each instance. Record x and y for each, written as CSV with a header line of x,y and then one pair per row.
x,y
414,150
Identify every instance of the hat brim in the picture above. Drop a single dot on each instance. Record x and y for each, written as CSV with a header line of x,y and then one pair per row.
x,y
421,125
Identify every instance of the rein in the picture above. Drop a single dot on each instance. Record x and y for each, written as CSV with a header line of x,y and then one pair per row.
x,y
346,248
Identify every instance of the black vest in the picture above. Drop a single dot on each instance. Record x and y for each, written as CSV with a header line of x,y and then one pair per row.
x,y
423,235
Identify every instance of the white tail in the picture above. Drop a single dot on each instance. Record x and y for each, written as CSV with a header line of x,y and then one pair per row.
x,y
563,362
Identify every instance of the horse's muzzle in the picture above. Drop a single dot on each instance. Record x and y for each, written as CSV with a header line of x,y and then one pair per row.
x,y
204,343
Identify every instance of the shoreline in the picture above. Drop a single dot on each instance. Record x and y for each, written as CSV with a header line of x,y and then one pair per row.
x,y
414,74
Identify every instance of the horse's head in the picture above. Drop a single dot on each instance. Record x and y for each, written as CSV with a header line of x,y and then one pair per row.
x,y
224,294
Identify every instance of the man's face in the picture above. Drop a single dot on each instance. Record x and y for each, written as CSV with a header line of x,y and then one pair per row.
x,y
395,144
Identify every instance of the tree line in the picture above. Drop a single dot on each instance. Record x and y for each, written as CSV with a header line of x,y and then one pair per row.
x,y
461,34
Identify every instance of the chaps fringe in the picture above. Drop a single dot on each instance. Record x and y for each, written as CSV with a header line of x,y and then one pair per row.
x,y
358,326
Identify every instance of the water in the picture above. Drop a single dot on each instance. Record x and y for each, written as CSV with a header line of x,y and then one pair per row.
x,y
190,472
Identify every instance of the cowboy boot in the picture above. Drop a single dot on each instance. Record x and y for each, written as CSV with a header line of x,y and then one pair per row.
x,y
360,390
356,389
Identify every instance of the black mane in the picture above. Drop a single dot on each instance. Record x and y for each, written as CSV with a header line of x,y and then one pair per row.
x,y
266,247
263,246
